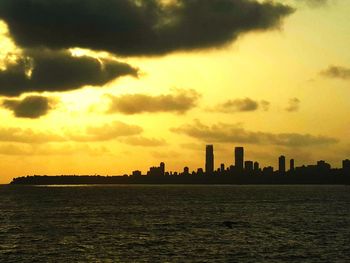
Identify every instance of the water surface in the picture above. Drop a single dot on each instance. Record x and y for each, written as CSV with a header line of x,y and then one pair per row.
x,y
148,223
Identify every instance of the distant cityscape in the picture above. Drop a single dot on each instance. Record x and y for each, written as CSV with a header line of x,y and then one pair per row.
x,y
240,172
241,167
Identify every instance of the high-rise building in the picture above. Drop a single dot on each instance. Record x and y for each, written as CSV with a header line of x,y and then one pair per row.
x,y
162,168
209,159
248,165
291,165
256,166
282,164
239,158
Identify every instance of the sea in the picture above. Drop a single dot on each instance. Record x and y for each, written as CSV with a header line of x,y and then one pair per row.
x,y
174,223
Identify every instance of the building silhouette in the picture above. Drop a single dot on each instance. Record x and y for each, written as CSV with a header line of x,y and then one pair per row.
x,y
322,165
282,164
186,171
162,168
136,173
157,170
248,165
239,158
250,173
256,166
222,167
346,165
209,159
291,165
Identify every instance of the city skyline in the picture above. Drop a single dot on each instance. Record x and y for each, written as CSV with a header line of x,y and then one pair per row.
x,y
251,173
241,165
128,82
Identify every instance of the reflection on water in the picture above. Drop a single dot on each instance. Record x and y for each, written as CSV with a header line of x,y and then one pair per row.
x,y
174,223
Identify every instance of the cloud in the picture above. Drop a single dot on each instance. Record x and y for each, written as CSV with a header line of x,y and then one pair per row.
x,y
137,27
238,105
143,141
50,150
29,107
179,102
22,135
47,70
241,105
293,105
229,133
338,72
106,132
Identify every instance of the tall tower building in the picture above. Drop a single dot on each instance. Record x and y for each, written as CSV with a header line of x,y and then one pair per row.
x,y
162,168
282,164
291,167
239,158
209,159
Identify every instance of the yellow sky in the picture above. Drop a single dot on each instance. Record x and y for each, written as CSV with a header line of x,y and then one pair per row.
x,y
274,66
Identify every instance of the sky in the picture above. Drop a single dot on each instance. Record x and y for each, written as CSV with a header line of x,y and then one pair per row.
x,y
107,87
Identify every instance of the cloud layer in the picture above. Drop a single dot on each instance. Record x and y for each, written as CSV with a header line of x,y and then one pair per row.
x,y
30,107
228,133
105,132
136,27
47,70
336,72
143,141
179,102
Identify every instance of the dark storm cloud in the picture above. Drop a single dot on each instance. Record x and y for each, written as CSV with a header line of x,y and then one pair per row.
x,y
30,107
293,105
47,70
179,102
228,133
338,72
136,27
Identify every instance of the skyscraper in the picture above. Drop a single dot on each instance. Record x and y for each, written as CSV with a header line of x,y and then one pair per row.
x,y
282,164
239,158
291,168
209,159
162,168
